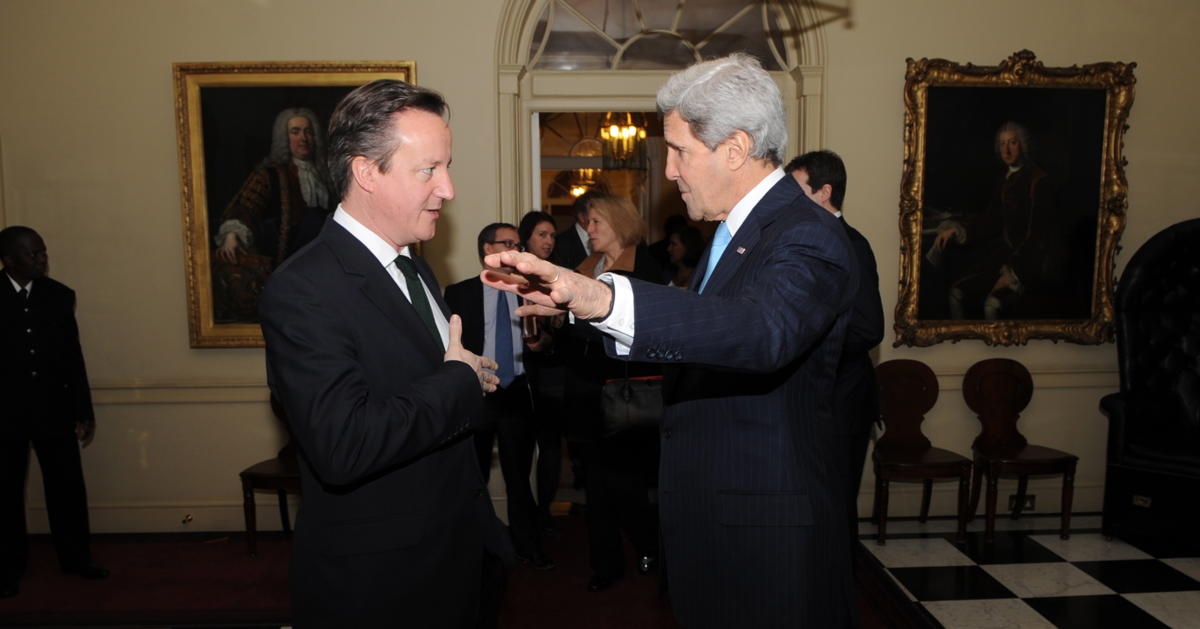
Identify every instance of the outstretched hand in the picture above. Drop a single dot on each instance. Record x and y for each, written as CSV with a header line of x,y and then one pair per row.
x,y
484,367
551,288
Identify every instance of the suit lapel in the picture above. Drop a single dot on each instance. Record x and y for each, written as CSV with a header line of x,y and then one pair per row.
x,y
373,280
749,234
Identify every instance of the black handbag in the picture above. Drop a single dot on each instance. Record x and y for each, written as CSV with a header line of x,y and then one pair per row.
x,y
630,403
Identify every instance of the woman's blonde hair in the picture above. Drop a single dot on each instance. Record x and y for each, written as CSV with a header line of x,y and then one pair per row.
x,y
621,214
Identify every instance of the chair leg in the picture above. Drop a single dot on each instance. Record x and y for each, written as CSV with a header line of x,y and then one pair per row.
x,y
1022,487
989,530
284,518
1068,494
881,495
251,520
976,486
926,493
875,498
963,490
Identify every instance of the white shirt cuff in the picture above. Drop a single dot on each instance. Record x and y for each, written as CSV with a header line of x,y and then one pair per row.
x,y
619,323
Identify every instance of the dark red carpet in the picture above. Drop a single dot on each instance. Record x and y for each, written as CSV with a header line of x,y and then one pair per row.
x,y
202,580
157,580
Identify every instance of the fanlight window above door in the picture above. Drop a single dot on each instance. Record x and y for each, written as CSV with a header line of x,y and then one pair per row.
x,y
655,34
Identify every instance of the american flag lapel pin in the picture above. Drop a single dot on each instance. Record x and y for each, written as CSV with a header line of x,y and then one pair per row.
x,y
741,250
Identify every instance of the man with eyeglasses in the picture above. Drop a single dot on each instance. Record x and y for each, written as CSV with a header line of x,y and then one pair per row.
x,y
491,328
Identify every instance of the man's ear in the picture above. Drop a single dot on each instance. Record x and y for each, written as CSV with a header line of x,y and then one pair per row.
x,y
363,171
736,149
824,194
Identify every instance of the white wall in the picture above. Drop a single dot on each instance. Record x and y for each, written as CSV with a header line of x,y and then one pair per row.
x,y
88,157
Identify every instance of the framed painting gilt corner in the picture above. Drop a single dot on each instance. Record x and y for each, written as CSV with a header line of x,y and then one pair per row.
x,y
1012,200
253,178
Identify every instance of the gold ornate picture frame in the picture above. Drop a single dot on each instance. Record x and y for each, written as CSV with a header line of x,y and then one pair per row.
x,y
1012,200
252,177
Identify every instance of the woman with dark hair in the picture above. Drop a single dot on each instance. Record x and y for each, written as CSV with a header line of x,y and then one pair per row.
x,y
684,247
537,232
547,375
620,468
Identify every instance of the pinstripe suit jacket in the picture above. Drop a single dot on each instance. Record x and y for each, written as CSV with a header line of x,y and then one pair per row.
x,y
753,513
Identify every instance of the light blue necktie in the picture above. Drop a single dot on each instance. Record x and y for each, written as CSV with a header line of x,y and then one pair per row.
x,y
721,240
504,342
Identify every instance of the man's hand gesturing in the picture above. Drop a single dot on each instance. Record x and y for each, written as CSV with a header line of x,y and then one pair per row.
x,y
551,288
484,367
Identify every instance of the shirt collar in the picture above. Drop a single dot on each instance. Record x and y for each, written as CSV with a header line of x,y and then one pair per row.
x,y
17,287
738,214
376,245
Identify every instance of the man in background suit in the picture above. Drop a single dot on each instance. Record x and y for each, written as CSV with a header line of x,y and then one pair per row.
x,y
822,176
573,245
48,404
751,481
380,395
492,328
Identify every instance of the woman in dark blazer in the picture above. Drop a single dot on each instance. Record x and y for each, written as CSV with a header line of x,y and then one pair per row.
x,y
620,468
547,373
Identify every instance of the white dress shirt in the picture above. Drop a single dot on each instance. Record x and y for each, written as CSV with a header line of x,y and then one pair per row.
x,y
386,255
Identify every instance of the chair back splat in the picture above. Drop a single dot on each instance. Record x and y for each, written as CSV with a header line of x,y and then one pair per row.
x,y
997,390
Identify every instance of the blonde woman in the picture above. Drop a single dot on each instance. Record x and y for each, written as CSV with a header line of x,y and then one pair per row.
x,y
618,469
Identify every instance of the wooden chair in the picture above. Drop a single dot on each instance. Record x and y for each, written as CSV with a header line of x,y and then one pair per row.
x,y
997,390
907,390
280,474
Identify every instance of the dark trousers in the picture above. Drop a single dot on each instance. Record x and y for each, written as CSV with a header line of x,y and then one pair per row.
x,y
512,410
620,474
548,413
66,501
857,456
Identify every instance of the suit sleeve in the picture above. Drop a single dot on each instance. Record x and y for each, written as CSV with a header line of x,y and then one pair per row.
x,y
348,429
806,280
81,391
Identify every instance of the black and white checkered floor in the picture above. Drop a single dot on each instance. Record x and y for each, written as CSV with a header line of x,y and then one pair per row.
x,y
1029,578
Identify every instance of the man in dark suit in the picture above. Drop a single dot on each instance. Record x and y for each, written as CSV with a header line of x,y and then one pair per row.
x,y
822,176
751,481
573,245
380,395
48,404
491,328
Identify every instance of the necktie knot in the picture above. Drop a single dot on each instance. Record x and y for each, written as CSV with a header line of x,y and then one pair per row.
x,y
23,294
416,295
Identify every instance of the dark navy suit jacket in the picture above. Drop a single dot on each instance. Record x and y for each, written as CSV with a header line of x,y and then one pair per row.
x,y
750,488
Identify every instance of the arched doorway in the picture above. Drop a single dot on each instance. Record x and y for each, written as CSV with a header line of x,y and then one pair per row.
x,y
622,73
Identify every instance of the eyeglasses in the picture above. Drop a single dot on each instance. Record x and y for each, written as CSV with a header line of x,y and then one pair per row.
x,y
511,244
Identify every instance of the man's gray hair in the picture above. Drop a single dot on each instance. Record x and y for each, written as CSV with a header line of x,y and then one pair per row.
x,y
721,96
281,152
